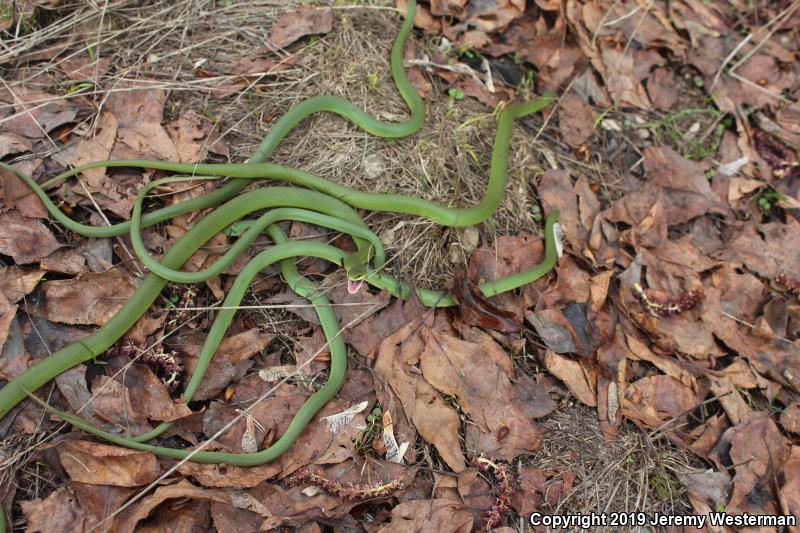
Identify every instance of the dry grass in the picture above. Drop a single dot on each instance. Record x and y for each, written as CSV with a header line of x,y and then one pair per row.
x,y
631,474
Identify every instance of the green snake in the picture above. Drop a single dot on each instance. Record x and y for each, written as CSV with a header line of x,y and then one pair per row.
x,y
316,201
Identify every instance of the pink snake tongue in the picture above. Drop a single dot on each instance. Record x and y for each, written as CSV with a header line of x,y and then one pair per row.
x,y
354,286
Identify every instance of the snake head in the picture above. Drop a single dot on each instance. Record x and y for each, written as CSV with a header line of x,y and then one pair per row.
x,y
355,266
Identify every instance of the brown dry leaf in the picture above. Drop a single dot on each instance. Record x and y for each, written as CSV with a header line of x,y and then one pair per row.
x,y
507,256
368,334
182,516
668,365
550,325
138,110
17,195
767,79
230,518
149,395
7,314
12,143
112,403
778,251
731,382
441,516
622,81
656,399
575,120
535,485
296,24
64,261
229,476
99,501
683,332
790,418
90,299
13,358
579,379
396,364
556,191
662,88
447,7
273,415
72,385
707,490
194,136
230,362
58,512
96,148
36,113
758,451
81,67
789,491
100,464
678,183
475,309
323,446
731,300
479,375
25,239
475,493
128,520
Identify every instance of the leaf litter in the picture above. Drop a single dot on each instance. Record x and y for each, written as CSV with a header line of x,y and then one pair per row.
x,y
671,155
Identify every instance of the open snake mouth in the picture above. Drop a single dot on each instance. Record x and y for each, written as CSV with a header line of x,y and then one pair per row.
x,y
353,286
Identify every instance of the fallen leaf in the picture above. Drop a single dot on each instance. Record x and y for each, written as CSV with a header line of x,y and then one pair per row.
x,y
657,399
477,310
662,86
17,194
194,136
433,419
579,379
97,148
112,403
99,501
58,512
149,395
90,299
7,314
230,362
708,490
25,239
100,464
138,109
442,516
535,486
758,451
789,490
776,252
556,337
368,334
475,493
479,375
296,24
575,120
128,520
13,358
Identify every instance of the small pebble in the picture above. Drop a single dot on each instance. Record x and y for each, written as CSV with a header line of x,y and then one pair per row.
x,y
373,166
